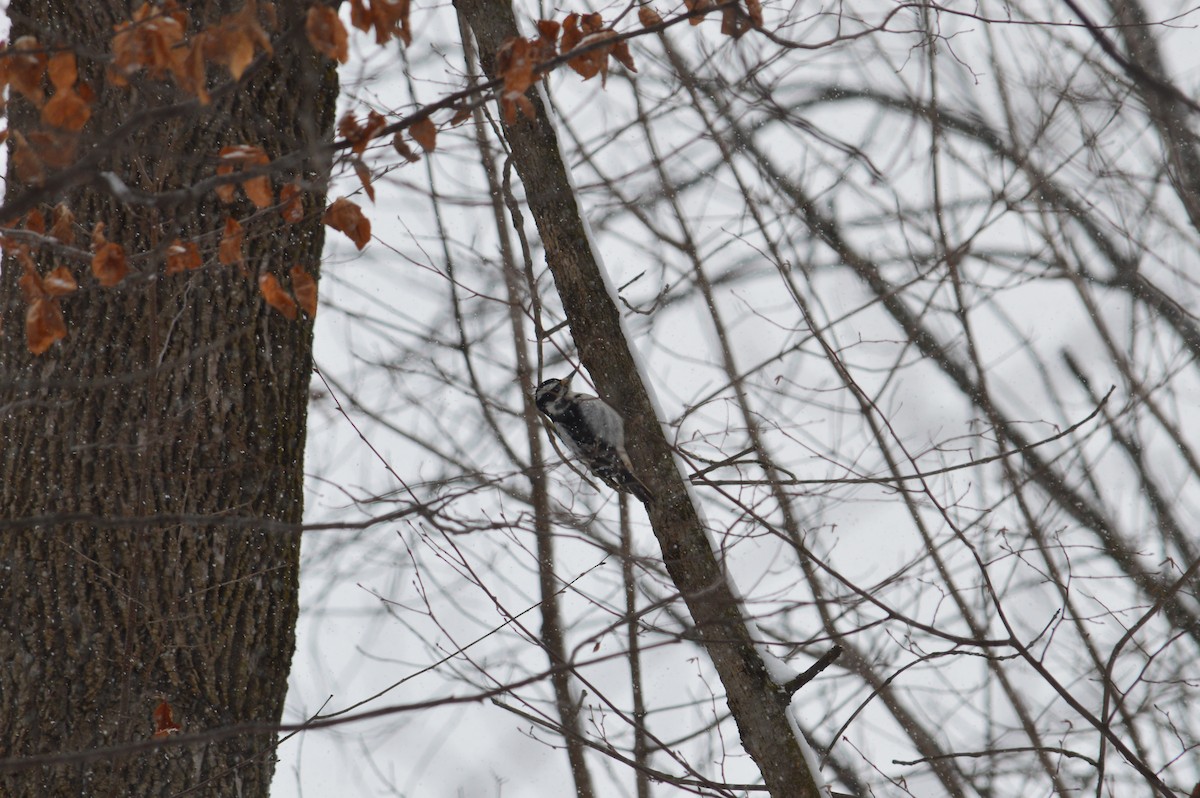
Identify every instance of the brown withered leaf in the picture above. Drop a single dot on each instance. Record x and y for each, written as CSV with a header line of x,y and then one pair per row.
x,y
44,325
229,251
648,17
425,134
235,39
735,22
304,287
346,217
98,237
31,281
515,62
67,110
548,35
359,16
359,136
461,114
59,282
61,70
702,6
275,296
326,33
54,147
25,64
402,147
148,41
388,17
364,177
183,257
25,162
292,202
259,190
109,265
187,67
226,192
164,721
348,127
754,9
63,226
35,222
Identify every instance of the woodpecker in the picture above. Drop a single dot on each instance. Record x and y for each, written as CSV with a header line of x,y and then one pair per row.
x,y
593,431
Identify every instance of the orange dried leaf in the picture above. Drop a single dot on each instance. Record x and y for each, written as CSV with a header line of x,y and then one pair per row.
x,y
187,66
182,257
243,154
109,265
259,190
348,127
648,17
305,289
754,9
148,42
35,222
226,192
44,325
364,177
359,16
425,134
61,70
98,239
164,721
229,251
461,114
54,147
622,54
59,282
67,110
515,63
25,162
359,136
275,296
30,282
235,39
64,224
702,6
26,63
548,32
375,123
734,22
293,203
346,217
388,17
326,33
402,147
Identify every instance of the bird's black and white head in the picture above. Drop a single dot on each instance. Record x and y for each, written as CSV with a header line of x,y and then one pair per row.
x,y
553,396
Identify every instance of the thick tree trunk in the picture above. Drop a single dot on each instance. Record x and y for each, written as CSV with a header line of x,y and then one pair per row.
x,y
180,396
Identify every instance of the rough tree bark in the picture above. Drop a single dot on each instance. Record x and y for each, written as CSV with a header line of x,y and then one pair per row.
x,y
177,397
759,707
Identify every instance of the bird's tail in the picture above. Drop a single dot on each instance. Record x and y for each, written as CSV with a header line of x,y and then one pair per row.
x,y
631,484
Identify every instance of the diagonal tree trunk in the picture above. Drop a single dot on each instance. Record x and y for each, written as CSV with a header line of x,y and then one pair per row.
x,y
759,707
180,396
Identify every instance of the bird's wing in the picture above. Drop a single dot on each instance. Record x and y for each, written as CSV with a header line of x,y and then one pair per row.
x,y
601,418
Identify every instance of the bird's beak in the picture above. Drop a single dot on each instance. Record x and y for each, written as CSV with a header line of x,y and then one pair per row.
x,y
566,381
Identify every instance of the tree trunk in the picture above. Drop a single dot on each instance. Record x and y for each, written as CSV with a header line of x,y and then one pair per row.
x,y
759,707
140,456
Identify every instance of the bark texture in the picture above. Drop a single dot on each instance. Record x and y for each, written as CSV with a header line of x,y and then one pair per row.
x,y
758,706
180,396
